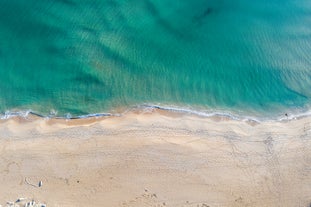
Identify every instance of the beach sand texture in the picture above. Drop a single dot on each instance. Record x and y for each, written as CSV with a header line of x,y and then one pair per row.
x,y
156,159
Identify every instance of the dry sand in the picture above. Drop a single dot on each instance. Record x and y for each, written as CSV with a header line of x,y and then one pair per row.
x,y
156,159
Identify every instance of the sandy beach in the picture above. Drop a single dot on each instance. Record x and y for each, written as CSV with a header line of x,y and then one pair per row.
x,y
155,159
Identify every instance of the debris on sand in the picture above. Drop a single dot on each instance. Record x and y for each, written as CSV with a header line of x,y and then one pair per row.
x,y
24,202
20,199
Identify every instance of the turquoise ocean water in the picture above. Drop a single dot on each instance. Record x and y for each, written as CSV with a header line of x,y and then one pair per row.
x,y
79,57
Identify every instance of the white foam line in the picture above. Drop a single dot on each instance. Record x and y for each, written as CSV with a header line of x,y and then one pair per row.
x,y
176,109
202,113
9,114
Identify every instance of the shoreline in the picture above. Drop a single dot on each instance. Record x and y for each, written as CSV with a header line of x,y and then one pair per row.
x,y
156,158
169,110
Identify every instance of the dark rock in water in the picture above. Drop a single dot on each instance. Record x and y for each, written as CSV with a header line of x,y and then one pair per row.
x,y
207,12
199,18
149,5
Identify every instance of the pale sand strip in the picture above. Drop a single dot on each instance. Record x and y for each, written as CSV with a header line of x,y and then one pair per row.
x,y
156,160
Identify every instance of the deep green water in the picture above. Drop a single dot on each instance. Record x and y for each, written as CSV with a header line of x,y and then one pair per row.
x,y
83,56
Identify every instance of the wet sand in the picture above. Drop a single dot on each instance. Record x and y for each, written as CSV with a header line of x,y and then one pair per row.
x,y
156,159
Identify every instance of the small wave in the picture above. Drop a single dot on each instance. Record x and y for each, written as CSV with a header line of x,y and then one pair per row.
x,y
202,113
295,116
175,109
10,114
25,114
233,116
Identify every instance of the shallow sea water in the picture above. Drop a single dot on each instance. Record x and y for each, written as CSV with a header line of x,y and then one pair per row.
x,y
80,57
